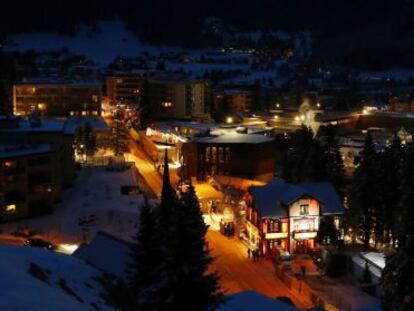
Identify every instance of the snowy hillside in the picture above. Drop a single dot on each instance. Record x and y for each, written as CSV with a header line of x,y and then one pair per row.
x,y
37,280
111,40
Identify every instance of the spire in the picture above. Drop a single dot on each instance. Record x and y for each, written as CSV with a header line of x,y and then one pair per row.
x,y
167,190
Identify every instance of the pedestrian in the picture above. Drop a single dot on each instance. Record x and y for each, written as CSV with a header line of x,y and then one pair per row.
x,y
254,255
248,253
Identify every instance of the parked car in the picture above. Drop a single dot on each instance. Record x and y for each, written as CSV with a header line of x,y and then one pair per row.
x,y
39,243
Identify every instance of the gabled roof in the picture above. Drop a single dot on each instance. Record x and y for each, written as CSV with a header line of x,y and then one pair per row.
x,y
271,200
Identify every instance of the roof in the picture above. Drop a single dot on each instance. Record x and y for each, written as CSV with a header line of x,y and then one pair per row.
x,y
97,124
271,199
251,300
106,253
59,82
67,126
234,139
20,150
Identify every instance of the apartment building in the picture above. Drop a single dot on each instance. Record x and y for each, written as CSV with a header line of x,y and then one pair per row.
x,y
174,96
57,98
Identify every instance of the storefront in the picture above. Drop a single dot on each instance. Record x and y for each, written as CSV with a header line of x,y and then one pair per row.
x,y
303,242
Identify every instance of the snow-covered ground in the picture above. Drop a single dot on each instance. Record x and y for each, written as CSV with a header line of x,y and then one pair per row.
x,y
112,40
95,197
62,282
251,300
396,74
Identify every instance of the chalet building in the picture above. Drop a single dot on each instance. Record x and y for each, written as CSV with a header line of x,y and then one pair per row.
x,y
29,184
235,155
57,98
283,216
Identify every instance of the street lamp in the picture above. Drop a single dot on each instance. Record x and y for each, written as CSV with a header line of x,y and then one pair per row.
x,y
229,120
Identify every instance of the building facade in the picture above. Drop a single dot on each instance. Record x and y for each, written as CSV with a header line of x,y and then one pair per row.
x,y
237,155
177,97
125,88
286,217
233,100
55,98
29,184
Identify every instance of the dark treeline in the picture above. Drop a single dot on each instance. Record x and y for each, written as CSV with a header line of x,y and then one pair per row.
x,y
368,33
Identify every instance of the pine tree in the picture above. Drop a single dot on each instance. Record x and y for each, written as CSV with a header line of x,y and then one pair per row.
x,y
398,275
145,263
364,192
327,231
197,288
332,159
85,140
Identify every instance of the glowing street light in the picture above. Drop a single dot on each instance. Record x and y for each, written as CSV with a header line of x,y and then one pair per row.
x,y
229,120
302,117
275,117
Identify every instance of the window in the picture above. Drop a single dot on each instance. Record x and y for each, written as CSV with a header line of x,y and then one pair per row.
x,y
10,209
304,209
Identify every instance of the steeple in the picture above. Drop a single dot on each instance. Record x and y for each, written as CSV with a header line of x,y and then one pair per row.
x,y
167,191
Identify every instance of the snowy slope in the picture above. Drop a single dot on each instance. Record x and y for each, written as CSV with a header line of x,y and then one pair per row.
x,y
67,284
112,40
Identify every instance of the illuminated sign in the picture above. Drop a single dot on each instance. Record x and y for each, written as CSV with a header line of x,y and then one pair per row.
x,y
304,235
276,235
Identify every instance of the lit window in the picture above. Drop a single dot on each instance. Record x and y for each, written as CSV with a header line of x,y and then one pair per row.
x,y
33,90
8,164
84,113
41,107
10,209
95,98
166,104
304,209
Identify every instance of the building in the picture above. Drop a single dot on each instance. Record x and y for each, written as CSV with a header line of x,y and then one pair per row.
x,y
43,131
57,98
59,133
236,155
125,88
174,96
233,100
282,216
29,183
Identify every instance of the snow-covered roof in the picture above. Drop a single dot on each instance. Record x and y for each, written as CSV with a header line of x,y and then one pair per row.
x,y
271,199
234,139
97,124
67,126
46,125
251,300
63,282
106,253
20,150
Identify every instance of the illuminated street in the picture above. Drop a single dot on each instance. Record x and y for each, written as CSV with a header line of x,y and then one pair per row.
x,y
239,273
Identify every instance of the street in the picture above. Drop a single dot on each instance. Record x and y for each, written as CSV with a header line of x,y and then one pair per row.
x,y
239,273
